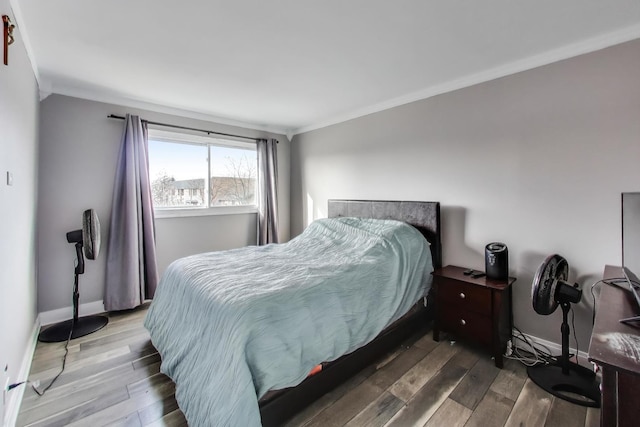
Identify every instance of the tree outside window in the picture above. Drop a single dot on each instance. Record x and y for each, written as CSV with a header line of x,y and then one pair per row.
x,y
197,175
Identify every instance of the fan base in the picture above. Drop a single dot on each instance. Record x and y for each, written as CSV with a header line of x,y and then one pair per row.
x,y
83,326
579,386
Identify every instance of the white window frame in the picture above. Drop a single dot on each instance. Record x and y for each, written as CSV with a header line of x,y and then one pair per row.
x,y
192,139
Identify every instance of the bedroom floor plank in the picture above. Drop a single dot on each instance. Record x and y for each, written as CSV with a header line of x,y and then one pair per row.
x,y
347,407
382,374
142,398
31,399
426,342
307,414
398,367
113,379
378,412
78,361
466,356
84,369
131,420
593,418
158,410
52,416
412,381
510,379
429,398
474,385
531,408
493,410
563,413
450,414
172,419
118,324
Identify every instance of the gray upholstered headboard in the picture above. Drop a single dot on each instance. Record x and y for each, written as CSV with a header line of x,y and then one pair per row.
x,y
425,216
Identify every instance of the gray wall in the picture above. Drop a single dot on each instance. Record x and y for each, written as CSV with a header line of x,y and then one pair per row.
x,y
536,160
18,154
179,237
78,151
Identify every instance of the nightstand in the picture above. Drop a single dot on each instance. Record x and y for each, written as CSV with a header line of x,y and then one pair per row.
x,y
476,310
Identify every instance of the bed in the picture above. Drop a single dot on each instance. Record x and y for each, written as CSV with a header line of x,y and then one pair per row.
x,y
235,326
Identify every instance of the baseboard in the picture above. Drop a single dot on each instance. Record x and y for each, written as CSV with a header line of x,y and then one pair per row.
x,y
15,396
45,318
555,348
66,313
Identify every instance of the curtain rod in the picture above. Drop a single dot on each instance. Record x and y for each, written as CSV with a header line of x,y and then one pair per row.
x,y
208,132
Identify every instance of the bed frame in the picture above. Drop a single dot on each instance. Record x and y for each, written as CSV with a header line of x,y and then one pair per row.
x,y
277,407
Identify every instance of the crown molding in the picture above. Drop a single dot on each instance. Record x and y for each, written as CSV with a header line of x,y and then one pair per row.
x,y
569,51
107,98
24,35
46,87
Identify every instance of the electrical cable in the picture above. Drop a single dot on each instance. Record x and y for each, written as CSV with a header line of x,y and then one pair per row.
x,y
535,355
575,337
546,353
525,360
64,359
611,282
616,281
64,362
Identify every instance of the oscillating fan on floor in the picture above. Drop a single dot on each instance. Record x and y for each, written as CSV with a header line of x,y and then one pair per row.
x,y
87,242
564,379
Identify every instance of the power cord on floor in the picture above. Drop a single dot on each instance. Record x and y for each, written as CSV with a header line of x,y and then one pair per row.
x,y
536,354
64,362
35,384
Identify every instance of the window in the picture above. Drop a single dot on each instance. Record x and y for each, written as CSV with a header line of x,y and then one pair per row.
x,y
197,173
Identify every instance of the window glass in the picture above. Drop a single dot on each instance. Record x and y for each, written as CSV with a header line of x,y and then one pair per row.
x,y
188,175
233,176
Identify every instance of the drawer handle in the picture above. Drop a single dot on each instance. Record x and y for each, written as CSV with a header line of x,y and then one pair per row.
x,y
463,322
462,295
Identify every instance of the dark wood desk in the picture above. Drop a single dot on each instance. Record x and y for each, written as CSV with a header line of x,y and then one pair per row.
x,y
615,348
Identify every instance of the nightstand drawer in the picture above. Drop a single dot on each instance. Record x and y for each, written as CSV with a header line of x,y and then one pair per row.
x,y
473,308
465,296
467,324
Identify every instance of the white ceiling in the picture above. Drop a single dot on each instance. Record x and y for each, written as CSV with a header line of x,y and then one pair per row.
x,y
296,65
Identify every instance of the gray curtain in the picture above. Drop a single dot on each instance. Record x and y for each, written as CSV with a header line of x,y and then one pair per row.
x,y
132,275
267,191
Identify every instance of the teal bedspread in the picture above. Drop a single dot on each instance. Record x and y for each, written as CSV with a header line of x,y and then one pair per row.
x,y
232,325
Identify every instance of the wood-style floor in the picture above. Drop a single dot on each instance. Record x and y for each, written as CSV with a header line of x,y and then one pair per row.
x,y
112,378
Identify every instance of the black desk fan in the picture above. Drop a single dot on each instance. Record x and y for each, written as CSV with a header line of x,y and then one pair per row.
x,y
86,240
563,378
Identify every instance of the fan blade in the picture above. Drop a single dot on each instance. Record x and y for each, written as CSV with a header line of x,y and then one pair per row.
x,y
91,233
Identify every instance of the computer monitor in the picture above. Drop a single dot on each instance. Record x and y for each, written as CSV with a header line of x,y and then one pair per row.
x,y
634,286
631,231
